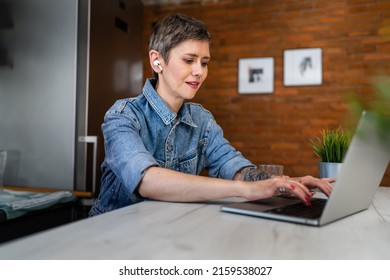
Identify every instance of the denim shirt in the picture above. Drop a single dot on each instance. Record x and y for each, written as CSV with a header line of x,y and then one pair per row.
x,y
142,132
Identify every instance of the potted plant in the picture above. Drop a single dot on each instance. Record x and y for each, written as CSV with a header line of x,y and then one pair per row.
x,y
331,148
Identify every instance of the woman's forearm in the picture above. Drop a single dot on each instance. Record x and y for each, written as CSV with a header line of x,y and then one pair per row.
x,y
164,184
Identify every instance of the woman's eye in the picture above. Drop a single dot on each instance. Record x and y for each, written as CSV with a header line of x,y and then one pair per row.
x,y
205,64
188,61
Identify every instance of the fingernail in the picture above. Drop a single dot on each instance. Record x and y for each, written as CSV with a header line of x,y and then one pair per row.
x,y
293,187
308,202
312,193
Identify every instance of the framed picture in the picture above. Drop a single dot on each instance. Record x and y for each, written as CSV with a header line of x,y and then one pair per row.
x,y
303,67
256,75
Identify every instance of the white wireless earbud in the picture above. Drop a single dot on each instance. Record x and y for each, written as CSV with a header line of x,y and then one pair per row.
x,y
157,63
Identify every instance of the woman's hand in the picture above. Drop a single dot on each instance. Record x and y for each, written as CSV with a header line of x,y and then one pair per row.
x,y
323,184
299,187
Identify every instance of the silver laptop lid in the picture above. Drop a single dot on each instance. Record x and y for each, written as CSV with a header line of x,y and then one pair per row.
x,y
361,173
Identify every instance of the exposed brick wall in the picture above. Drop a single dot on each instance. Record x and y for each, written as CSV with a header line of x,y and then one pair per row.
x,y
276,128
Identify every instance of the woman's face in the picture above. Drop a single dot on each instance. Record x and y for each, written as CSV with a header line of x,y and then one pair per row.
x,y
184,73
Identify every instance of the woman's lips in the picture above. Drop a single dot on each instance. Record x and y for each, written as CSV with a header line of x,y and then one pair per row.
x,y
193,84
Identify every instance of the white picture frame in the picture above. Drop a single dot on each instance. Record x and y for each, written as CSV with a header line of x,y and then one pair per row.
x,y
256,75
303,67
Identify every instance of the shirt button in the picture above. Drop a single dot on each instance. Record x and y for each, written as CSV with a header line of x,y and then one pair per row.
x,y
169,148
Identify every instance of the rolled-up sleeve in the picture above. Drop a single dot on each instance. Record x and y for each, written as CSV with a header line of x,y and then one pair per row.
x,y
126,154
223,160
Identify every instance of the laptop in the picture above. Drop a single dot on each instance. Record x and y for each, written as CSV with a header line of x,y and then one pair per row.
x,y
358,180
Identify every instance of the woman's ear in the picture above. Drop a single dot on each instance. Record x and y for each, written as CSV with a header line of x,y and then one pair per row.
x,y
154,60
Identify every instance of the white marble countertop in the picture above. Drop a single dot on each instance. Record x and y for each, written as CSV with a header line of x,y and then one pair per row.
x,y
162,230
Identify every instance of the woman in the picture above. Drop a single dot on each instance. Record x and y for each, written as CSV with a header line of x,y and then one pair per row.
x,y
156,144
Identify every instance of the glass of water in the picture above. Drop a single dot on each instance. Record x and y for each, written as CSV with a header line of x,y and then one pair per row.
x,y
272,169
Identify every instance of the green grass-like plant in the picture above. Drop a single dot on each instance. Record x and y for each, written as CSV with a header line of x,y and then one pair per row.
x,y
332,145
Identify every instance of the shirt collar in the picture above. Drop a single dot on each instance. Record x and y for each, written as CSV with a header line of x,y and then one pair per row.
x,y
162,109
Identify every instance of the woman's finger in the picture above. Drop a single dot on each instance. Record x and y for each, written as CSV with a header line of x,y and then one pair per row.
x,y
292,187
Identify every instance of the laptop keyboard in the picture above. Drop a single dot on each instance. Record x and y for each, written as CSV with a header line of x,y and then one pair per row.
x,y
302,210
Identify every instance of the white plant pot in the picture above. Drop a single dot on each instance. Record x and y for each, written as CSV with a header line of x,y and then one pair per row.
x,y
329,169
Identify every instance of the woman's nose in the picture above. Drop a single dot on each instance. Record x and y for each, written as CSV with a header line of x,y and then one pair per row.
x,y
197,70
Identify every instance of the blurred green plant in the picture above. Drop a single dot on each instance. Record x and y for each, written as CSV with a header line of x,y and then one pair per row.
x,y
378,106
332,145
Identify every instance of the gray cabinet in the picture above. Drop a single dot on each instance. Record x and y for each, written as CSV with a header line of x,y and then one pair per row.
x,y
71,60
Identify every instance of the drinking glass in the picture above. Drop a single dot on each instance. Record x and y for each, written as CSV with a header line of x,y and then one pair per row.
x,y
272,169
